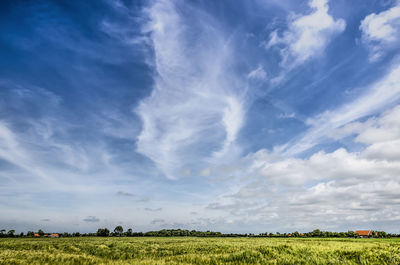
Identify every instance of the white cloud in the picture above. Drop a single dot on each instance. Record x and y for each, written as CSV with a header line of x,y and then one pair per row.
x,y
385,92
336,189
381,32
258,74
195,101
339,164
42,155
308,35
382,136
194,115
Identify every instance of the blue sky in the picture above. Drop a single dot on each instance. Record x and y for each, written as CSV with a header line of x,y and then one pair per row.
x,y
245,116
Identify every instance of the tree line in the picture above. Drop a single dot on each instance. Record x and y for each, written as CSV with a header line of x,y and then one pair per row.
x,y
119,232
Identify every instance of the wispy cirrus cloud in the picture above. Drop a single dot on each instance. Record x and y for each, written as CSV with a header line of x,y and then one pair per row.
x,y
384,92
197,100
258,74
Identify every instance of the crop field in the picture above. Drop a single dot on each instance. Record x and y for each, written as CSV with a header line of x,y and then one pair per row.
x,y
192,250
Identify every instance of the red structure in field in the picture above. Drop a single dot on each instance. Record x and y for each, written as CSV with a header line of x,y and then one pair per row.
x,y
364,233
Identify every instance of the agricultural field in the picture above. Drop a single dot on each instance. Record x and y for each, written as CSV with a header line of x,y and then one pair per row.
x,y
192,250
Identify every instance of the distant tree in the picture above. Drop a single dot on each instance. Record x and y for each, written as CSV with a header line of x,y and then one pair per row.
x,y
381,234
11,233
40,232
129,232
30,234
316,233
21,234
352,234
103,232
118,230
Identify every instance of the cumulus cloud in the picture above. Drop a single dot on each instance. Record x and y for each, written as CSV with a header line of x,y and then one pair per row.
x,y
329,188
308,35
382,136
381,32
196,100
339,164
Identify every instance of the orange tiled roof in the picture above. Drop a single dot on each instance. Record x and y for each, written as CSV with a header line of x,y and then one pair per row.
x,y
363,232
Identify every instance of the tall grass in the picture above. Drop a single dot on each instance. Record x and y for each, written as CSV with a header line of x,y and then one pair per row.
x,y
198,251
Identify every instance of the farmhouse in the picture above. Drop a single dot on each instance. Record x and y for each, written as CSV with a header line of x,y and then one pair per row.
x,y
36,235
364,233
54,235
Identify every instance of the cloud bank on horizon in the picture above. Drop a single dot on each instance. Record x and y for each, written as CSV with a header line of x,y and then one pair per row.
x,y
253,117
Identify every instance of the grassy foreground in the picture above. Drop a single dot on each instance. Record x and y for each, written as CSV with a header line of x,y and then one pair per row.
x,y
190,250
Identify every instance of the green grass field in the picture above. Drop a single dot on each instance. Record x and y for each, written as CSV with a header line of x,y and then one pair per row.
x,y
190,250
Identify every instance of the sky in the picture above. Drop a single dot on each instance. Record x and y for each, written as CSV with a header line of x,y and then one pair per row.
x,y
234,116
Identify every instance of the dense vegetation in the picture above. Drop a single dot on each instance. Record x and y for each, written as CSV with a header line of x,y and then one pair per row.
x,y
195,250
119,231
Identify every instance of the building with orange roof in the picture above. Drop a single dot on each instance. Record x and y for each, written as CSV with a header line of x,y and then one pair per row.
x,y
364,233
